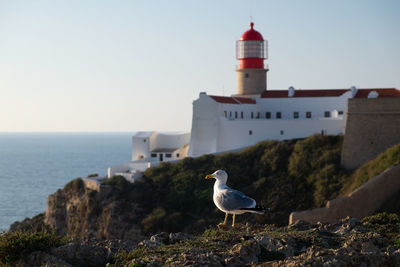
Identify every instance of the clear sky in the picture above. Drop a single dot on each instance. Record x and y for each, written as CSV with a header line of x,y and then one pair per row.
x,y
138,65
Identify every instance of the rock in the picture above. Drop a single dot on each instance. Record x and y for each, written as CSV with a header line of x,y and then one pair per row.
x,y
269,243
343,230
301,225
369,248
178,237
82,254
149,243
85,213
248,251
40,258
162,238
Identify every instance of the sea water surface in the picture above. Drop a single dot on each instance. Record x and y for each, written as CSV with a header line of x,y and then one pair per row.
x,y
34,165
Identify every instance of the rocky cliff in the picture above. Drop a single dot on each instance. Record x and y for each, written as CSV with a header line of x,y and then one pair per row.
x,y
82,212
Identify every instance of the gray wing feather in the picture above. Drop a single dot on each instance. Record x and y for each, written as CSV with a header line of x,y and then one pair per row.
x,y
231,199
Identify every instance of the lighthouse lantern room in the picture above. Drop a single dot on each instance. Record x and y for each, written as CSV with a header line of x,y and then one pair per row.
x,y
251,51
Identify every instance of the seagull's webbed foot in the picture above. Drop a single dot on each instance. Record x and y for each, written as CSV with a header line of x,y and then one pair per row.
x,y
223,225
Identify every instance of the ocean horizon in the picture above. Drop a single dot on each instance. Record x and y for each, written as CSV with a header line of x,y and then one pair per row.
x,y
34,165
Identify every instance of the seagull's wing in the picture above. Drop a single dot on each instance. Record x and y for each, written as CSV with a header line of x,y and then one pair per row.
x,y
231,199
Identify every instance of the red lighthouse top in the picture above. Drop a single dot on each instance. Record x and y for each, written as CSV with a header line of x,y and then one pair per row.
x,y
251,49
251,35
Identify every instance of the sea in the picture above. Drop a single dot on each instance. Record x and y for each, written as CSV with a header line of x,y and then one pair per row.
x,y
34,165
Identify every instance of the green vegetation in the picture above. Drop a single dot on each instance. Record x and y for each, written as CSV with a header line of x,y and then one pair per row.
x,y
285,176
75,185
14,246
386,224
30,225
372,168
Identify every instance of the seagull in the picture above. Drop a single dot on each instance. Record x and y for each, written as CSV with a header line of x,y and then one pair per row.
x,y
231,201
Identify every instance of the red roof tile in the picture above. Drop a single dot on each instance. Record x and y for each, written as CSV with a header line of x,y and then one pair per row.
x,y
383,92
304,93
245,100
232,100
224,99
361,93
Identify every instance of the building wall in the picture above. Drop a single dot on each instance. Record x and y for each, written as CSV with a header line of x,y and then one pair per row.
x,y
235,134
317,105
373,125
141,145
169,141
203,138
220,127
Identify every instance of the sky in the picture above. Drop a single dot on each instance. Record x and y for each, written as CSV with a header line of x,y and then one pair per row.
x,y
125,66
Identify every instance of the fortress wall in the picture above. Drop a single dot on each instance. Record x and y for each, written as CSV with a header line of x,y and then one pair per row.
x,y
373,125
362,202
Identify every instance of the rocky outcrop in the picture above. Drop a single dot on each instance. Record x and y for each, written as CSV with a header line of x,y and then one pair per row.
x,y
348,243
362,202
72,254
374,241
81,212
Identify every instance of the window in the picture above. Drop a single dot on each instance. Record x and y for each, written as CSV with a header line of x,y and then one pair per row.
x,y
144,140
340,112
278,115
177,155
236,115
295,115
258,115
230,114
327,114
308,114
246,75
241,114
268,115
282,132
252,115
250,132
168,155
225,113
153,155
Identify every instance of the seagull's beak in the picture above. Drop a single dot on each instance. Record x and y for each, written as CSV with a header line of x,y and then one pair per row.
x,y
210,176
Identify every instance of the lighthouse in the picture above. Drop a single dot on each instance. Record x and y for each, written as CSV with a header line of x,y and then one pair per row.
x,y
251,51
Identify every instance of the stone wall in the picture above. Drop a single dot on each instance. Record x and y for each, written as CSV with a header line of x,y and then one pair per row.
x,y
373,125
362,202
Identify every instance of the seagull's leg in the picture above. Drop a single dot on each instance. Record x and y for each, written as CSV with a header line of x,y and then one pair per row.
x,y
226,217
233,221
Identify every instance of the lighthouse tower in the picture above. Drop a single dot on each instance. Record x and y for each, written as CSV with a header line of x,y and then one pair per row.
x,y
251,51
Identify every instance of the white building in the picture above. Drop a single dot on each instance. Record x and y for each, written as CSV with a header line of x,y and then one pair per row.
x,y
149,149
254,114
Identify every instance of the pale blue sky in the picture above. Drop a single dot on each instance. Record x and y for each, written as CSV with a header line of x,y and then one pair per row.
x,y
138,65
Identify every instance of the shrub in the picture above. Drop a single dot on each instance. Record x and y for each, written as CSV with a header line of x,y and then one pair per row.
x,y
13,246
153,220
75,185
